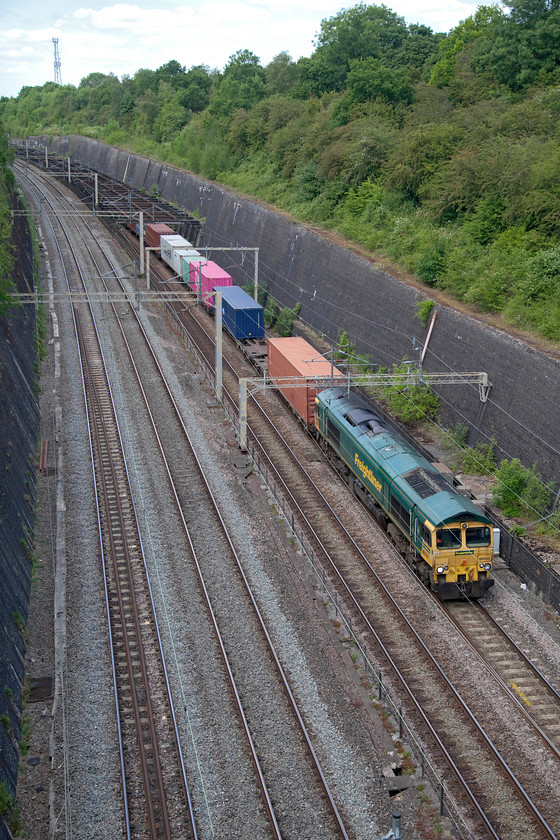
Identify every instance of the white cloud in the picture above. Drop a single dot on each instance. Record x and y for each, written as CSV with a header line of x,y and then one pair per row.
x,y
124,37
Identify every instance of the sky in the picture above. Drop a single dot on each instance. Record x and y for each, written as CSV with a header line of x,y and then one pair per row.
x,y
124,37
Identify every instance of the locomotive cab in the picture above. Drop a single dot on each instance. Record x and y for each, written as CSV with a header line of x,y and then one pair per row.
x,y
461,559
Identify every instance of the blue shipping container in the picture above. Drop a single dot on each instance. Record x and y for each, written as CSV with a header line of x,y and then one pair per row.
x,y
242,316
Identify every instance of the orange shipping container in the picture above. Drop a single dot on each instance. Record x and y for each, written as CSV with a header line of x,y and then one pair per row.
x,y
296,357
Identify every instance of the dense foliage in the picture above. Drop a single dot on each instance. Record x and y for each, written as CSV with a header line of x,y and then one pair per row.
x,y
439,152
6,256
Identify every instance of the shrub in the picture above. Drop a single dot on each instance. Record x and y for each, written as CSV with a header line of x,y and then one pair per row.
x,y
537,496
6,799
479,460
424,310
460,435
285,320
521,491
408,400
432,265
512,478
8,812
270,312
345,349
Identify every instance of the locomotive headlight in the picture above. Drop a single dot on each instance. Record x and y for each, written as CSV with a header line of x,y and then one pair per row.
x,y
440,570
488,566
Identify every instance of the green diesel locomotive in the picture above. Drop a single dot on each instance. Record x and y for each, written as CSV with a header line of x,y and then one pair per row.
x,y
439,532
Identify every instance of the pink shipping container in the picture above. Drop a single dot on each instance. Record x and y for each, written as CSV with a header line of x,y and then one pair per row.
x,y
154,230
210,275
296,357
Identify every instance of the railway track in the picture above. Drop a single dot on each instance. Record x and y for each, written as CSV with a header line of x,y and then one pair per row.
x,y
513,803
132,620
188,484
501,804
153,778
537,700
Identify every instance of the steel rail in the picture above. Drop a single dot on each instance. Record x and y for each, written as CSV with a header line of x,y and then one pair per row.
x,y
111,483
478,647
370,567
103,559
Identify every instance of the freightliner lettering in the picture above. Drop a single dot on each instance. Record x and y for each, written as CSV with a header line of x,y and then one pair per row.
x,y
367,473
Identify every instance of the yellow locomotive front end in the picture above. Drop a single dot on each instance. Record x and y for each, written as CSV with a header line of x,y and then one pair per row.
x,y
460,556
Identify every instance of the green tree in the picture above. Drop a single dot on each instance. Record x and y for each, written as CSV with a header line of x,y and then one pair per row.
x,y
466,32
7,183
195,89
171,115
521,49
417,50
528,11
143,80
146,112
361,32
281,74
242,84
95,80
316,76
370,79
172,72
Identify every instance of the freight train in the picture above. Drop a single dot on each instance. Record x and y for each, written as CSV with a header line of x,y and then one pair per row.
x,y
439,532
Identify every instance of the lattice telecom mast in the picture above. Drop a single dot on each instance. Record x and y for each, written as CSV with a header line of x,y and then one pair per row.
x,y
57,73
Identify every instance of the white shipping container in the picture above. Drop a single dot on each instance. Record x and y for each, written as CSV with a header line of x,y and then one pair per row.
x,y
176,258
170,244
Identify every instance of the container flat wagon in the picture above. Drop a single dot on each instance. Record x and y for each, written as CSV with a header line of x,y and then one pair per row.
x,y
154,231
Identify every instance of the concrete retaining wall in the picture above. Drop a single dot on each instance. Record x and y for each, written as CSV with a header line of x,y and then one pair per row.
x,y
19,428
339,291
